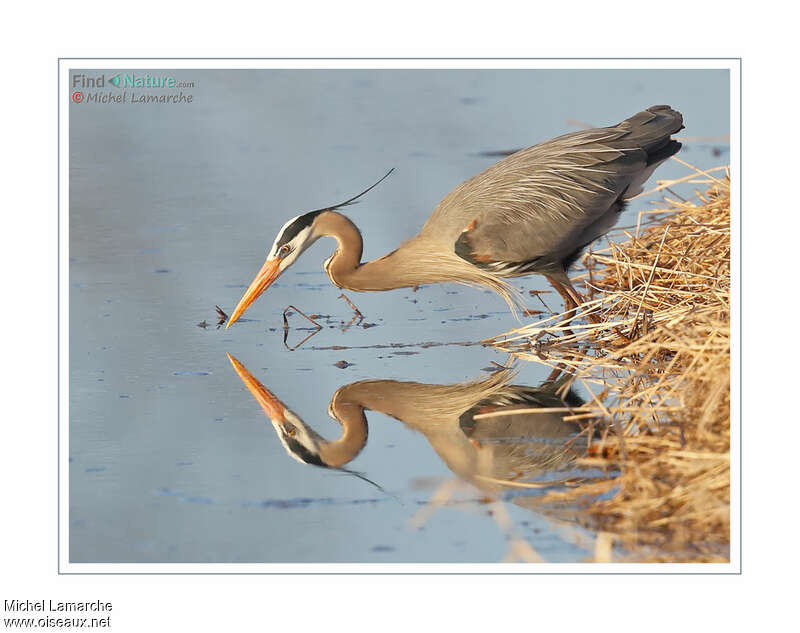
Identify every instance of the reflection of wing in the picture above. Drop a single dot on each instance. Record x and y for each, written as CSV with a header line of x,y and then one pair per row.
x,y
524,444
518,397
545,201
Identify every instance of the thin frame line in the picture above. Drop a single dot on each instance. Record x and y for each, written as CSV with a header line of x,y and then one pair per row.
x,y
58,320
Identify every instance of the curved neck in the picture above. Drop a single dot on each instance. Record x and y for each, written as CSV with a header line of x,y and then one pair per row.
x,y
399,269
433,410
349,245
354,434
348,405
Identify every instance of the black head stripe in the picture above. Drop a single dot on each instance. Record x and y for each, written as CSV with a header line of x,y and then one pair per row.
x,y
298,225
302,452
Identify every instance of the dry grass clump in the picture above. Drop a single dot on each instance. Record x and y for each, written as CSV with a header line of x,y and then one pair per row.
x,y
657,371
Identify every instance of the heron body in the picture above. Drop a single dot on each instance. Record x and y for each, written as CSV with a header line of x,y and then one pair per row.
x,y
532,212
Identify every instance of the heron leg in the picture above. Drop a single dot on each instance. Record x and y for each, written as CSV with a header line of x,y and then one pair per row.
x,y
570,289
570,303
557,371
570,306
594,318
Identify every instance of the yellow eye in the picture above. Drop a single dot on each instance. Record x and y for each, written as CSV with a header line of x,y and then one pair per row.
x,y
285,249
291,432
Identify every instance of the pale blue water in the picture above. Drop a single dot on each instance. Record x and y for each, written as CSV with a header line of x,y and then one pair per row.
x,y
172,210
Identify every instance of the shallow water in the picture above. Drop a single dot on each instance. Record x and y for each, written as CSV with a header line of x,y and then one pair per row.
x,y
172,210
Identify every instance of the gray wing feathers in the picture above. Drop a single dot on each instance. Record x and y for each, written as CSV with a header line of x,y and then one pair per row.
x,y
537,202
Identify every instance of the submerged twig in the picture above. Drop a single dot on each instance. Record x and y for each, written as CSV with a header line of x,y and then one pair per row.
x,y
286,327
357,316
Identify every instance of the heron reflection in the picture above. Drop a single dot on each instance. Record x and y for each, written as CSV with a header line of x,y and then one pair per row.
x,y
488,432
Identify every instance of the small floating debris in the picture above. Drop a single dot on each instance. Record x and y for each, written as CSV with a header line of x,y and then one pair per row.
x,y
203,324
498,153
343,364
184,498
188,373
494,367
161,270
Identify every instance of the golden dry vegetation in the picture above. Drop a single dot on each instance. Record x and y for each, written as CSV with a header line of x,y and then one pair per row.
x,y
656,366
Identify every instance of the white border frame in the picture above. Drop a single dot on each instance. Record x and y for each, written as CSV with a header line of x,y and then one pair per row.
x,y
65,65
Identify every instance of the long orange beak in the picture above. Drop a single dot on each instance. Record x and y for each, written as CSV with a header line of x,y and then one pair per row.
x,y
269,272
272,406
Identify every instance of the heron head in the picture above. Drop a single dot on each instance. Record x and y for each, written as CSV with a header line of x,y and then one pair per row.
x,y
294,237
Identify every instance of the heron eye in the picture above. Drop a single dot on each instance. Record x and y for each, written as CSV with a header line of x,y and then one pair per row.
x,y
285,250
291,432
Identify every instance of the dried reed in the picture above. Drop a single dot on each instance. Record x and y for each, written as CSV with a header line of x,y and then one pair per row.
x,y
657,371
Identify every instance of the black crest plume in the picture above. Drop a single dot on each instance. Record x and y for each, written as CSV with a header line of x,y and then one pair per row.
x,y
306,219
354,199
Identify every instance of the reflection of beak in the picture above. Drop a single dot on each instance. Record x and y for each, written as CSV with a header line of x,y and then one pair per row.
x,y
269,272
272,406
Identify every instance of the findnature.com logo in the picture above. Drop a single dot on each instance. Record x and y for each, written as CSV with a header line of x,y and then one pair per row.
x,y
130,80
97,88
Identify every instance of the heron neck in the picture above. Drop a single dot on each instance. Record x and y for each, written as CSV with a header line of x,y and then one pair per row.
x,y
345,269
348,405
354,434
432,410
424,259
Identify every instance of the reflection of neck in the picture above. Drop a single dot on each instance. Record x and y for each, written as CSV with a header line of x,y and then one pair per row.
x,y
354,434
430,409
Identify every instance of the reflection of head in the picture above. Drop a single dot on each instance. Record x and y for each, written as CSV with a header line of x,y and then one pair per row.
x,y
306,445
300,440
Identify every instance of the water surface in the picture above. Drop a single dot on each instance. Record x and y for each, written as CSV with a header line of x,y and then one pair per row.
x,y
172,210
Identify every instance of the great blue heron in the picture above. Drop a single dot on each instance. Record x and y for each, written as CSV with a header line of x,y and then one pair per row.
x,y
532,212
493,454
